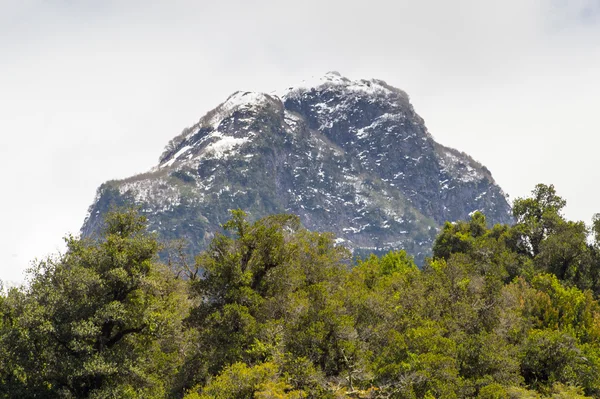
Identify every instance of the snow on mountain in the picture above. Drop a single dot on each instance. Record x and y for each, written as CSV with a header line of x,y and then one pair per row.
x,y
347,156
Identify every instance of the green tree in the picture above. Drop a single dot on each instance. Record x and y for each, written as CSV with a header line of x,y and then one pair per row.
x,y
262,381
271,289
552,356
102,320
537,217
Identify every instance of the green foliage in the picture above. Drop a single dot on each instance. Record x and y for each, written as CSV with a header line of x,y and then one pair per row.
x,y
552,356
269,290
493,391
272,310
242,382
102,320
538,216
541,241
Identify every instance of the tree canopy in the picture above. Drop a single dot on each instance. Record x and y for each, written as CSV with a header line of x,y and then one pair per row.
x,y
272,310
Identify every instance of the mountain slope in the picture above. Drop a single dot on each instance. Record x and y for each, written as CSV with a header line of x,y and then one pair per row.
x,y
351,157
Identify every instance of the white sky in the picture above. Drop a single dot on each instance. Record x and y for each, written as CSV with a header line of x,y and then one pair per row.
x,y
92,90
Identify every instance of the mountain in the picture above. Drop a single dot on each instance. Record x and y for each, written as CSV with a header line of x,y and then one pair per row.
x,y
348,156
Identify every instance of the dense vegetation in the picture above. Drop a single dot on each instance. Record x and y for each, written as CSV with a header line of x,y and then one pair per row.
x,y
272,310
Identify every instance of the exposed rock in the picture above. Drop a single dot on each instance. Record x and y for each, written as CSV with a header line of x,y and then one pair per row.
x,y
350,157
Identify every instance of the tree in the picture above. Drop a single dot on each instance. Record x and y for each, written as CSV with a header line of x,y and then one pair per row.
x,y
270,290
537,217
239,381
102,320
552,356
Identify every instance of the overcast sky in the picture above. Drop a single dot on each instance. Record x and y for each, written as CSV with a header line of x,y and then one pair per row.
x,y
92,90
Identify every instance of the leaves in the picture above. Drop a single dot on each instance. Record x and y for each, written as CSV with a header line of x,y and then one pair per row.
x,y
272,310
90,319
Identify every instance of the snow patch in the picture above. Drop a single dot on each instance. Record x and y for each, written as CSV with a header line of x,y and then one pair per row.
x,y
238,100
176,156
223,147
459,168
334,79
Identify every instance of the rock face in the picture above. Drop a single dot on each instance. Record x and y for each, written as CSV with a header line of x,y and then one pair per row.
x,y
350,157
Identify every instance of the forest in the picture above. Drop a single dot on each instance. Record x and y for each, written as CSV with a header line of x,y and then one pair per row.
x,y
272,310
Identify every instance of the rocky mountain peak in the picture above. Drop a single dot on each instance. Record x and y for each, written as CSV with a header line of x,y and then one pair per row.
x,y
335,82
348,156
221,130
